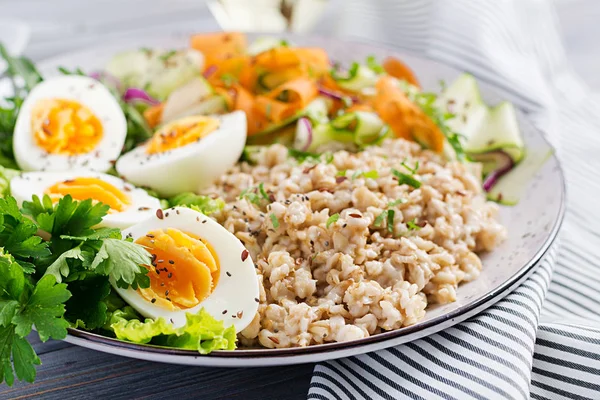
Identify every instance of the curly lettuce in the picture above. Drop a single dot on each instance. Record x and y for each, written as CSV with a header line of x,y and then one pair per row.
x,y
201,332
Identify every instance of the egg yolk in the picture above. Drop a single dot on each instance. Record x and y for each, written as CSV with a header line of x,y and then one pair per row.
x,y
184,270
90,188
65,127
181,133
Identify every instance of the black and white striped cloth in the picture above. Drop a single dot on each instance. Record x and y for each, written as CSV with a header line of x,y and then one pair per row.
x,y
543,340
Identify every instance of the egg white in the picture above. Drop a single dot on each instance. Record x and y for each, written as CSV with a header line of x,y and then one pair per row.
x,y
237,289
142,206
188,168
88,92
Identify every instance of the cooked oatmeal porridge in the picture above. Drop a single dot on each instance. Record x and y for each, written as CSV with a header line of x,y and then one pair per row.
x,y
354,244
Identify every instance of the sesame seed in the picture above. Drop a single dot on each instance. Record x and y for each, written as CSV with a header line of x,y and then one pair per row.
x,y
152,237
167,214
170,275
228,273
240,314
153,301
204,221
171,262
256,300
160,261
177,211
166,292
198,219
224,312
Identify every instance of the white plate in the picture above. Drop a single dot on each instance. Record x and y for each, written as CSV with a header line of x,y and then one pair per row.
x,y
532,226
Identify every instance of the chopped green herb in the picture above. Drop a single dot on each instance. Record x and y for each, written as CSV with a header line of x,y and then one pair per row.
x,y
302,156
263,193
228,79
412,225
167,55
374,65
396,202
390,220
427,103
341,172
328,157
380,218
348,75
406,179
332,219
274,221
373,174
412,170
76,71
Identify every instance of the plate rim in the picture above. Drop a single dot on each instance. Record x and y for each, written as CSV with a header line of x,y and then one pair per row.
x,y
104,343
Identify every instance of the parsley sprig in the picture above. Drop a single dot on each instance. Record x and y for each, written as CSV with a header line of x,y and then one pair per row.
x,y
256,195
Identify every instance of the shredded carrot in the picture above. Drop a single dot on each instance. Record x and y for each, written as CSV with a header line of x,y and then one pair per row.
x,y
219,46
404,117
360,107
398,69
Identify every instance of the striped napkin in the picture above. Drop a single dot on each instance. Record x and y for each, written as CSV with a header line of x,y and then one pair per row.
x,y
543,340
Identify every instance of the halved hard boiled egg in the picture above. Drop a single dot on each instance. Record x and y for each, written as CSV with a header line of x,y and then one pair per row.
x,y
196,263
69,122
187,154
128,204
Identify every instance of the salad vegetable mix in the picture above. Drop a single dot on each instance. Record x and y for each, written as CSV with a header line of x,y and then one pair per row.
x,y
82,247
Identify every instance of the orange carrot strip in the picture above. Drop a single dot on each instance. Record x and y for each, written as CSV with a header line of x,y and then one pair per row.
x,y
219,46
398,69
406,119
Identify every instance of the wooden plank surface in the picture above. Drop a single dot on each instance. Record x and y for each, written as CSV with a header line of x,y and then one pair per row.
x,y
72,372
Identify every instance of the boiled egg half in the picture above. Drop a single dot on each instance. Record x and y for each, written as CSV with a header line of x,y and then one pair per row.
x,y
128,204
69,122
187,154
196,263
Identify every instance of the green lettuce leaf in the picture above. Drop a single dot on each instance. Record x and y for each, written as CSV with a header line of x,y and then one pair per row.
x,y
201,332
203,204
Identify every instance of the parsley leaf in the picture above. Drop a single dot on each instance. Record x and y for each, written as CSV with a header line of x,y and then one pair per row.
x,y
17,235
332,219
44,309
88,306
380,218
123,262
22,305
406,179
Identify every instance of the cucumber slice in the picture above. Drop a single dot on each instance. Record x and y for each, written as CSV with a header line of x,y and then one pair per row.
x,y
512,185
316,110
485,129
263,44
185,98
303,136
250,154
159,72
325,133
369,128
359,79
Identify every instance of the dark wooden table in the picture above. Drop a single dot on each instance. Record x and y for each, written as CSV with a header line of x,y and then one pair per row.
x,y
72,372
